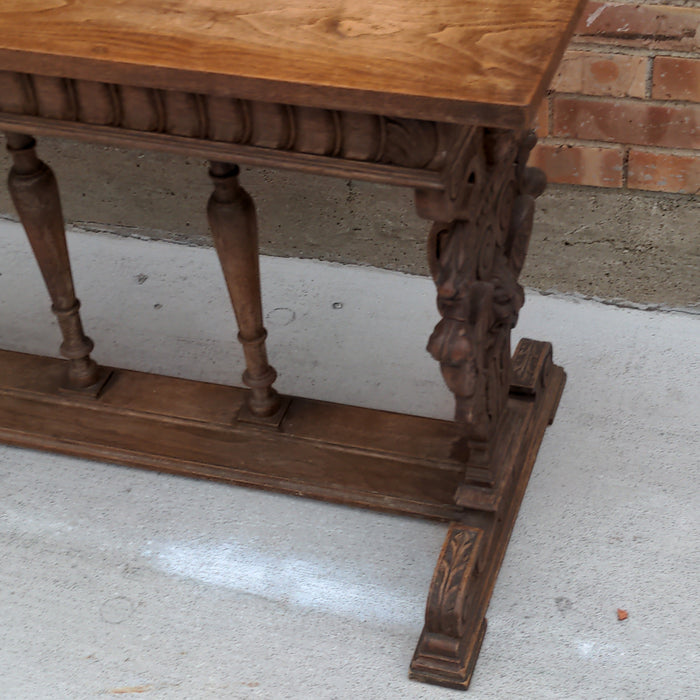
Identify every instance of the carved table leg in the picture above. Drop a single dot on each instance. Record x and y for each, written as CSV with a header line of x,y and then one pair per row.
x,y
476,250
233,223
35,195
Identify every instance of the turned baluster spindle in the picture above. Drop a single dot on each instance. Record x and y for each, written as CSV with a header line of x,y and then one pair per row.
x,y
34,191
233,223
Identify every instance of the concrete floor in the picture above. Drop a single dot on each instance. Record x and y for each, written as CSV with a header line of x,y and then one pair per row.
x,y
116,581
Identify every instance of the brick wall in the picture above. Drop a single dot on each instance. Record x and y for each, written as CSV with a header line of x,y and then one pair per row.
x,y
624,109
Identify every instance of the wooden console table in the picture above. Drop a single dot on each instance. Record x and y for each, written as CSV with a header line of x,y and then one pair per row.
x,y
436,96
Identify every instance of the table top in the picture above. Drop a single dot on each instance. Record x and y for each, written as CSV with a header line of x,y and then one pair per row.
x,y
452,60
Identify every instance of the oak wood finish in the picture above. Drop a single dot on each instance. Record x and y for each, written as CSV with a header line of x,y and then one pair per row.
x,y
35,195
376,459
232,219
194,428
437,97
487,62
190,120
475,257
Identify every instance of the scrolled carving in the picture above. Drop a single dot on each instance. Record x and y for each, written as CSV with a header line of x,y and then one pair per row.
x,y
453,629
475,261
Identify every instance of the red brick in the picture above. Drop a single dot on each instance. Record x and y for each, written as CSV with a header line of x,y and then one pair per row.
x,y
627,121
591,73
541,123
676,79
579,165
652,26
664,172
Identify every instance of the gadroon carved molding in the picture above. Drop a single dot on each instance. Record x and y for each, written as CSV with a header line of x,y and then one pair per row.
x,y
354,136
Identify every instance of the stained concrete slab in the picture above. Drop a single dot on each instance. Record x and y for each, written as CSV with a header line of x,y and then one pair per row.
x,y
118,581
636,247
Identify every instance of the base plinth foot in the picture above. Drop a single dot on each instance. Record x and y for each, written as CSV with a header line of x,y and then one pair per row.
x,y
471,557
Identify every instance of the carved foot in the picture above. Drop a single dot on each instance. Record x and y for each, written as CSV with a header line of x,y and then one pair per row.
x,y
35,195
474,549
233,223
454,629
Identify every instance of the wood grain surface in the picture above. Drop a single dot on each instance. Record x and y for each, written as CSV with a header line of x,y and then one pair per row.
x,y
454,60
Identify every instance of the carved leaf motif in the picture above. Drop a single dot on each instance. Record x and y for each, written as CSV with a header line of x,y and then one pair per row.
x,y
448,601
